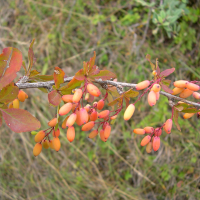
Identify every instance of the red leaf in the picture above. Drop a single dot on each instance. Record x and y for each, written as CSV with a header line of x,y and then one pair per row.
x,y
10,64
127,101
104,75
80,75
9,93
166,89
19,120
95,70
54,98
0,119
167,72
85,67
58,76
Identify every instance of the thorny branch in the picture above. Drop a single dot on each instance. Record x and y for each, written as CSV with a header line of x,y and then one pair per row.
x,y
49,84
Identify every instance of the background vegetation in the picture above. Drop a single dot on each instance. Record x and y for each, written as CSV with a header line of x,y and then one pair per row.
x,y
122,33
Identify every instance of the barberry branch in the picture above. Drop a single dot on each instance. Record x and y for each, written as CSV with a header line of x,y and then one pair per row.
x,y
49,84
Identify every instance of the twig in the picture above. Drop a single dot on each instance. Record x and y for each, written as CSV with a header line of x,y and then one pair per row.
x,y
49,84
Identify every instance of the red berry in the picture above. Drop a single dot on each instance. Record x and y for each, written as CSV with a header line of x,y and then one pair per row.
x,y
100,104
139,131
168,126
88,126
145,140
156,143
93,134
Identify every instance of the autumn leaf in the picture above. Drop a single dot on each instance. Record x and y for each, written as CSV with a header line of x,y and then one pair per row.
x,y
80,75
33,73
54,98
117,100
9,93
58,76
176,115
10,64
42,78
165,88
19,120
190,110
31,57
131,94
167,72
104,75
166,82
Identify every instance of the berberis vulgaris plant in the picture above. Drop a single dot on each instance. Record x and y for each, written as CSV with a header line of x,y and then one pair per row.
x,y
84,103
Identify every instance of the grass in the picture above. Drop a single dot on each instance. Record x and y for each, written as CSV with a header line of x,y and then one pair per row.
x,y
67,33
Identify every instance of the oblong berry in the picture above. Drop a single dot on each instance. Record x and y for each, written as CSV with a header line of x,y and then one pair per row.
x,y
149,147
149,129
82,116
186,93
129,112
188,115
142,85
196,95
39,136
64,122
103,114
67,98
53,122
180,84
77,95
71,120
93,90
177,90
16,103
152,98
56,143
192,86
102,135
21,96
139,131
51,144
100,104
145,140
45,144
107,131
93,115
113,117
10,105
168,126
93,134
156,87
65,109
70,133
56,133
37,149
158,132
156,143
157,95
88,126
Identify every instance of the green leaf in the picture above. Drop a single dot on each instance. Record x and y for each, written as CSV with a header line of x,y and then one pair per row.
x,y
58,76
9,93
42,78
131,94
19,120
34,132
33,73
117,100
166,82
104,75
190,110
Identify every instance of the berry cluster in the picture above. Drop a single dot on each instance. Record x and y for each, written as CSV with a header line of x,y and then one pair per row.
x,y
22,96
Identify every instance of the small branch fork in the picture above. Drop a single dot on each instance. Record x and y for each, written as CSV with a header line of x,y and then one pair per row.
x,y
119,86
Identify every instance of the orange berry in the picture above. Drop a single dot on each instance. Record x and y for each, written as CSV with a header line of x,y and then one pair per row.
x,y
71,120
186,93
149,147
142,85
100,104
139,131
156,143
104,125
87,107
93,115
168,126
93,90
37,149
180,84
65,109
177,90
188,115
56,143
103,114
88,126
158,132
77,95
21,96
16,103
107,131
39,136
145,140
93,134
51,144
149,129
156,87
45,144
26,96
64,123
192,86
129,112
157,95
53,122
152,98
10,105
70,133
113,117
82,116
56,133
196,95
74,106
67,98
102,135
